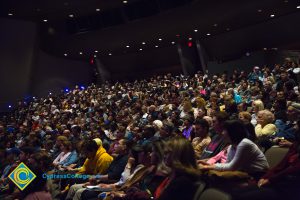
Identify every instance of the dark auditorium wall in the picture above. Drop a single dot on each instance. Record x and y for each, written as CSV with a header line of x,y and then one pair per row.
x,y
27,71
245,63
143,64
17,44
52,74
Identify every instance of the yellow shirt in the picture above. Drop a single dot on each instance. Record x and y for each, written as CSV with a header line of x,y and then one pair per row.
x,y
98,165
268,129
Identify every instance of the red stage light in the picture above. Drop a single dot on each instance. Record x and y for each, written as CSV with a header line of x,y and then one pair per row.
x,y
190,44
92,61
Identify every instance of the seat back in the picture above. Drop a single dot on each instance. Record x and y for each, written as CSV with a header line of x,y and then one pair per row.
x,y
214,194
200,188
275,154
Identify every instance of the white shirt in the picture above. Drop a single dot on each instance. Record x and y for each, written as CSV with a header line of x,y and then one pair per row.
x,y
245,157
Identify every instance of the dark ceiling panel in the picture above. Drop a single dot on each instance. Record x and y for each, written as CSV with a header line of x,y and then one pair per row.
x,y
118,24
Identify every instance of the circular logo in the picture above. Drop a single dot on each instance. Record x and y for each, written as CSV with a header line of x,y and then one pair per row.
x,y
21,176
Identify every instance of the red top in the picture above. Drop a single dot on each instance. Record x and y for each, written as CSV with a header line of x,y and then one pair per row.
x,y
289,165
161,187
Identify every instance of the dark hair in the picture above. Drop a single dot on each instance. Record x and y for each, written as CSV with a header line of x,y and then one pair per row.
x,y
89,146
149,131
27,150
221,116
135,150
236,131
203,123
250,131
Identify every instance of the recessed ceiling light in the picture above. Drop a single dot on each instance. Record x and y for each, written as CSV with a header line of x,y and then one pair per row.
x,y
298,7
156,46
80,53
110,54
173,42
190,38
143,43
10,14
127,46
141,49
65,54
265,49
215,25
196,30
125,1
95,56
97,9
272,15
259,10
71,15
45,20
208,34
96,51
160,39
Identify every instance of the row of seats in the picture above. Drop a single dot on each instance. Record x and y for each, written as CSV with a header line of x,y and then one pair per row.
x,y
274,155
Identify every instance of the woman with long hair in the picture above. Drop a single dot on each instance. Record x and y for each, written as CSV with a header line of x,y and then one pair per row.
x,y
181,183
243,154
280,182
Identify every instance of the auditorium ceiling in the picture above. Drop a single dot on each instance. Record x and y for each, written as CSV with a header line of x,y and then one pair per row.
x,y
80,29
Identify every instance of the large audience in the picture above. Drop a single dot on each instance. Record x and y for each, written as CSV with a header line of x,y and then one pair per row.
x,y
160,138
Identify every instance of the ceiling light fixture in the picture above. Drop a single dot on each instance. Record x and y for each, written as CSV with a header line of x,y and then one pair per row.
x,y
298,7
125,2
127,46
215,25
45,20
160,39
97,9
259,10
141,49
96,51
143,43
195,30
65,54
208,34
10,14
190,38
272,15
156,46
95,56
71,15
110,54
173,42
80,53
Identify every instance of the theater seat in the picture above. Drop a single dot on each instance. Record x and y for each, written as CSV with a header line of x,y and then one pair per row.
x,y
213,194
275,154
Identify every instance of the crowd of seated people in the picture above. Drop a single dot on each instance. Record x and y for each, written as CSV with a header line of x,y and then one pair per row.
x,y
158,138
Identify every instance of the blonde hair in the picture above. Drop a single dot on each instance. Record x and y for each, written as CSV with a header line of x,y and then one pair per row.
x,y
267,116
183,156
259,104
